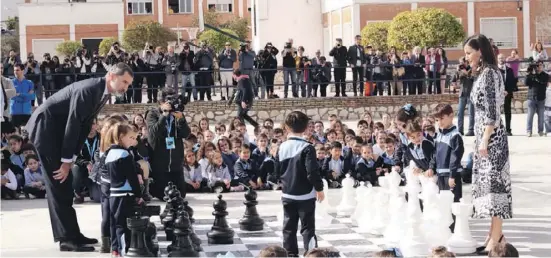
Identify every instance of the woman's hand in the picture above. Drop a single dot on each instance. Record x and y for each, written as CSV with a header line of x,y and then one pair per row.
x,y
483,148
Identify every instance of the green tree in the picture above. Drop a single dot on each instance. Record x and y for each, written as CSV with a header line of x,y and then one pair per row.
x,y
137,34
375,34
105,45
68,48
209,17
10,40
425,27
239,25
217,40
12,23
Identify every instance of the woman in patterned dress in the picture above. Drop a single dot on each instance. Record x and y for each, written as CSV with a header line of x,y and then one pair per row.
x,y
491,187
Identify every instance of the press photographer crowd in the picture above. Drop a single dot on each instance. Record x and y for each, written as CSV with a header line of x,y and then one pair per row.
x,y
159,146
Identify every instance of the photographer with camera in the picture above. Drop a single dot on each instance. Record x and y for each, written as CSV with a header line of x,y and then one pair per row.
x,y
171,62
269,67
510,81
83,64
167,127
226,59
67,70
187,68
289,70
204,61
9,63
246,60
153,62
98,64
321,76
115,54
32,73
47,69
536,80
464,80
134,95
340,59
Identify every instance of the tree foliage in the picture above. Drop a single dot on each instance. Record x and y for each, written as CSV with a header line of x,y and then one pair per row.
x,y
10,39
138,33
240,26
218,40
12,23
68,48
375,34
105,45
425,27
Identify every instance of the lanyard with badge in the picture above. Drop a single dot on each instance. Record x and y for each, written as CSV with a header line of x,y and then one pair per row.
x,y
170,144
92,149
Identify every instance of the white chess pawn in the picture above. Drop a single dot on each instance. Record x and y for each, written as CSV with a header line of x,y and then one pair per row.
x,y
462,241
323,219
348,202
381,217
361,191
429,195
396,226
413,243
437,227
366,220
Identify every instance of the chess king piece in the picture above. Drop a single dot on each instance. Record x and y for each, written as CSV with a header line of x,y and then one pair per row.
x,y
397,202
413,243
166,198
220,233
251,221
361,191
138,225
365,221
461,241
380,219
348,202
182,246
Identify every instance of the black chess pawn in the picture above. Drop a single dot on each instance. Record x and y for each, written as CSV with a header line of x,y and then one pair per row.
x,y
166,198
168,222
138,225
182,246
251,221
151,239
220,233
189,210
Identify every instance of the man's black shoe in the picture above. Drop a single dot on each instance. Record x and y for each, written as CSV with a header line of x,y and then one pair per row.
x,y
82,240
469,134
78,200
73,247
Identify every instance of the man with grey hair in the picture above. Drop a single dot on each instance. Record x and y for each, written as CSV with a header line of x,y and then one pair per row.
x,y
226,58
418,60
58,130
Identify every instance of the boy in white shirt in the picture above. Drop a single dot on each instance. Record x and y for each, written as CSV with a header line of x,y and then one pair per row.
x,y
9,182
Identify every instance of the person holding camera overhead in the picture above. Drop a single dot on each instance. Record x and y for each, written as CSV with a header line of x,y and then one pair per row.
x,y
204,61
536,80
187,69
464,80
32,73
226,59
289,69
152,61
167,127
269,68
340,58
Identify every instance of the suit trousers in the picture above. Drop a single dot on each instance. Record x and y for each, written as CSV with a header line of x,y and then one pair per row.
x,y
205,84
242,114
357,75
507,111
226,81
60,200
306,212
340,81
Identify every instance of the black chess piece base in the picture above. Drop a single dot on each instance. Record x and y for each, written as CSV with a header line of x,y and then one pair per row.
x,y
251,224
220,237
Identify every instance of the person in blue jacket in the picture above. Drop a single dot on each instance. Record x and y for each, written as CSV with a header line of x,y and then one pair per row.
x,y
20,104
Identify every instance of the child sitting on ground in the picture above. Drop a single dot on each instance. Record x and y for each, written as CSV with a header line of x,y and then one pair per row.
x,y
34,180
193,175
245,171
334,169
218,173
272,251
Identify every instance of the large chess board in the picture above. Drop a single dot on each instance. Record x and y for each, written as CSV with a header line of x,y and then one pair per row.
x,y
341,235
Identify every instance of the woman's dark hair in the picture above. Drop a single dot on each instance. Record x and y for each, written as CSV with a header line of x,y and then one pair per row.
x,y
481,43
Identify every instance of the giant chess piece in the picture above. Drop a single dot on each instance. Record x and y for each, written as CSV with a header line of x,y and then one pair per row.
x,y
395,228
323,219
380,220
413,244
182,246
461,241
348,202
251,221
166,198
361,190
138,225
366,220
220,233
188,209
151,239
168,222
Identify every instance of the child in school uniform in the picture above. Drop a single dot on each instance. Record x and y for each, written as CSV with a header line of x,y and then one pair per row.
x,y
405,115
125,191
448,155
334,167
301,184
245,171
368,167
267,168
419,150
193,174
261,152
321,154
218,173
34,180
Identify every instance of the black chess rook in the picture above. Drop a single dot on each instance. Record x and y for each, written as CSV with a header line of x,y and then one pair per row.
x,y
182,246
220,233
251,221
138,225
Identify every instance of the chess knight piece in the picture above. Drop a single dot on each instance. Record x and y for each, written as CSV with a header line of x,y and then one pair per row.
x,y
182,246
138,225
251,221
220,233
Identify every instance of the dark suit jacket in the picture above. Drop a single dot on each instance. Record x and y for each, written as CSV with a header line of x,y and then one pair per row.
x,y
353,55
59,127
510,80
419,64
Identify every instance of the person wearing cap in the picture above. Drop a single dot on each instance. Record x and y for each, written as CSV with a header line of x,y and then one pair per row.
x,y
340,57
226,60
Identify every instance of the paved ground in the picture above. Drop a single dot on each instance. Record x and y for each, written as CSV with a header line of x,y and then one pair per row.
x,y
26,230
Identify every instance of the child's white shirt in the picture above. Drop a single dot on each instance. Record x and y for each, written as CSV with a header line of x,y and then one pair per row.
x,y
12,184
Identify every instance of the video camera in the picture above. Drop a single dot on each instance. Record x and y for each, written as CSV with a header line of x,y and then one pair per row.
x,y
243,46
148,210
176,102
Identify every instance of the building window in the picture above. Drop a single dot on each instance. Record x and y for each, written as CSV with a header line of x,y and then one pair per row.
x,y
502,30
140,7
180,6
221,8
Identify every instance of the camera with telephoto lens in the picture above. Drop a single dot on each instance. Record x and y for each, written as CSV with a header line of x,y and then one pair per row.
x,y
532,68
243,47
177,103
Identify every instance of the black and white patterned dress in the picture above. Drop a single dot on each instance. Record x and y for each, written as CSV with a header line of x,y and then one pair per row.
x,y
491,187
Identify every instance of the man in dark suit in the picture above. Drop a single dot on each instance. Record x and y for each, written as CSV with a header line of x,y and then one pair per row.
x,y
510,82
58,129
244,96
356,59
418,74
340,57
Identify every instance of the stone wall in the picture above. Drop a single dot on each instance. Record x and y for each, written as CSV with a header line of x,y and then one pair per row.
x,y
350,108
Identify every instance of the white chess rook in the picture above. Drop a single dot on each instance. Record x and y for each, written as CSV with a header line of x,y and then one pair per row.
x,y
413,244
348,202
462,241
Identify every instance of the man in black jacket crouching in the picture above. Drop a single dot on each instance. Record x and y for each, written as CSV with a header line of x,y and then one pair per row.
x,y
243,97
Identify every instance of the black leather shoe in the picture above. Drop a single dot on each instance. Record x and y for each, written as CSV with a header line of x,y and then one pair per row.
x,y
82,240
73,247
